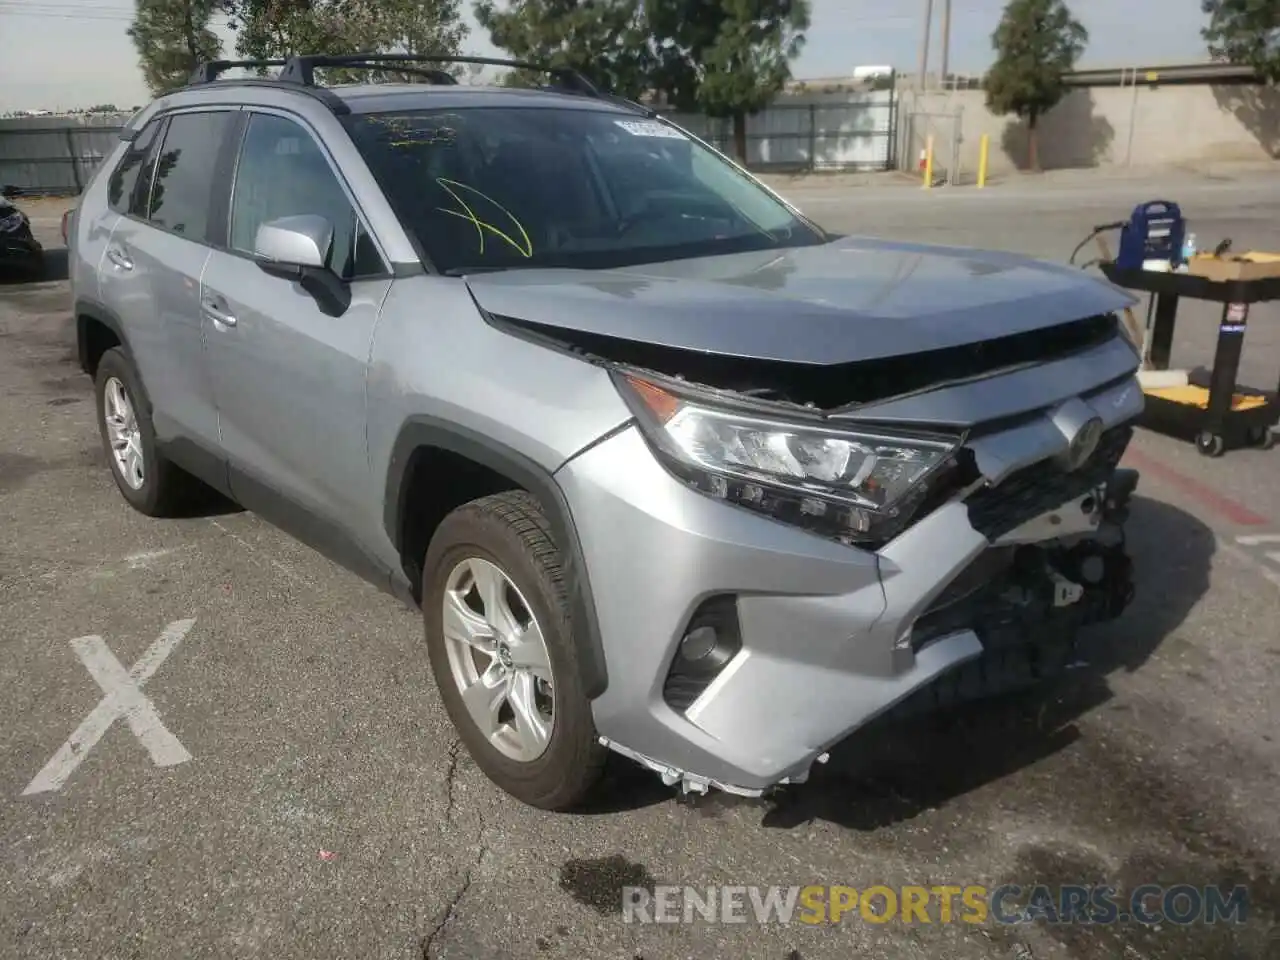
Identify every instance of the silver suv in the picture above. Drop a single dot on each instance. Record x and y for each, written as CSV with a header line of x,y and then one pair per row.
x,y
669,469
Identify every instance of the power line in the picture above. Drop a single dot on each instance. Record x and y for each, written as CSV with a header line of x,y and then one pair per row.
x,y
43,11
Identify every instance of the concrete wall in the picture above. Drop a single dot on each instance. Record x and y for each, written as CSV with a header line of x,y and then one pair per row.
x,y
1101,126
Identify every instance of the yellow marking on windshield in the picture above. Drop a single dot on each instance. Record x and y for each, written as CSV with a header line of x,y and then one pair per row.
x,y
525,249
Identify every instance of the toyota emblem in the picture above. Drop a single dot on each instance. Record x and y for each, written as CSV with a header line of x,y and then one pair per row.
x,y
1084,443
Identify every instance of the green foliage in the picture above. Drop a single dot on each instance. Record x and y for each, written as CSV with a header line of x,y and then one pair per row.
x,y
272,29
172,37
726,57
1245,32
1037,43
608,41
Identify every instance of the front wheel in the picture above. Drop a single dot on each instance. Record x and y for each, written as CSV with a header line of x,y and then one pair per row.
x,y
499,637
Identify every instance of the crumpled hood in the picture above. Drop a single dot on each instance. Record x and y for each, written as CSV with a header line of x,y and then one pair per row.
x,y
848,300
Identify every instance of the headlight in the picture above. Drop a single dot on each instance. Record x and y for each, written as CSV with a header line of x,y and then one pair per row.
x,y
10,223
859,485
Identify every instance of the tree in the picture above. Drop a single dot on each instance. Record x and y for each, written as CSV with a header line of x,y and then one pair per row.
x,y
273,29
1245,32
726,58
608,41
1037,43
172,37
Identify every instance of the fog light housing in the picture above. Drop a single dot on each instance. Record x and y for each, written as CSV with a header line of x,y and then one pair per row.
x,y
711,639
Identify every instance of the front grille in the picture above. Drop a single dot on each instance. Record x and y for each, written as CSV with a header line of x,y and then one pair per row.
x,y
1041,487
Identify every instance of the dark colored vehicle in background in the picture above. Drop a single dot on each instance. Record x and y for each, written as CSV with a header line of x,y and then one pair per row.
x,y
20,251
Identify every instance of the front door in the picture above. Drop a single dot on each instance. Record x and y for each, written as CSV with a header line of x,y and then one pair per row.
x,y
289,380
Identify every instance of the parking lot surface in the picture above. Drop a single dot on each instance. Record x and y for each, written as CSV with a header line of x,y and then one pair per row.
x,y
214,743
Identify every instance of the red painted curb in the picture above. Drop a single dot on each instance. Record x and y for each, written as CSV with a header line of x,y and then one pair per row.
x,y
1237,513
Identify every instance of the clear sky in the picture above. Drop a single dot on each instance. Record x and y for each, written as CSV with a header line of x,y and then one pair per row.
x,y
74,53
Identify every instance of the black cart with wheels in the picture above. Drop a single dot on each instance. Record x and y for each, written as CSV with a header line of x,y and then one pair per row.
x,y
1219,414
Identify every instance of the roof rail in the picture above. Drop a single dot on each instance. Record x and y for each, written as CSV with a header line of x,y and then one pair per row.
x,y
435,76
210,70
301,69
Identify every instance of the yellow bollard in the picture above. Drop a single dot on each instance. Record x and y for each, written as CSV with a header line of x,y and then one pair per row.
x,y
983,146
928,162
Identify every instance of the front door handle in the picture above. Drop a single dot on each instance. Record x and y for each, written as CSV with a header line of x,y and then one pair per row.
x,y
117,256
216,310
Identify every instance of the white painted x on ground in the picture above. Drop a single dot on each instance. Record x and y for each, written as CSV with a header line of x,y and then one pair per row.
x,y
1264,549
122,697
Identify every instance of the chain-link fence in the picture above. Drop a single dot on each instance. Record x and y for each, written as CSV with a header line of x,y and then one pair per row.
x,y
946,129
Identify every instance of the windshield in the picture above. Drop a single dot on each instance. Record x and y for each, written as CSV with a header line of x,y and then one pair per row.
x,y
502,187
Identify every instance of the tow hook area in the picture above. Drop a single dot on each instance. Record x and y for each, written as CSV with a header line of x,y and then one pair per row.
x,y
1065,592
692,782
1100,564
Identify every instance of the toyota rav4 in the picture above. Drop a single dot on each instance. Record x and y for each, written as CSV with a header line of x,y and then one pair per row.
x,y
669,469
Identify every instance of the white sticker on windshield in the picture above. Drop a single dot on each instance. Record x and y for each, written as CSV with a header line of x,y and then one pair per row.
x,y
650,128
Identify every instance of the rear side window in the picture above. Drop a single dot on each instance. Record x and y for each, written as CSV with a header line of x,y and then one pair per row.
x,y
183,190
122,186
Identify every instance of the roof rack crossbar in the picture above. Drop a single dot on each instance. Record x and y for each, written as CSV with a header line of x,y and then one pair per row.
x,y
435,76
210,70
301,69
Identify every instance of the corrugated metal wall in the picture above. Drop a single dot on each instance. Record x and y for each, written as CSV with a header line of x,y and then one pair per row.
x,y
55,155
816,131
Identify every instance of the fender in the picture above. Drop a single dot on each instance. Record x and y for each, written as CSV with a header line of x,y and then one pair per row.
x,y
425,431
89,309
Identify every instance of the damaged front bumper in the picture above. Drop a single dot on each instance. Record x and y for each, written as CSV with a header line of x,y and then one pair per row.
x,y
740,650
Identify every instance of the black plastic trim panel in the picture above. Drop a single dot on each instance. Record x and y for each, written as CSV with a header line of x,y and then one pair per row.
x,y
423,431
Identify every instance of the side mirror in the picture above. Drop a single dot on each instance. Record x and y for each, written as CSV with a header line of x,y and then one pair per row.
x,y
293,244
298,248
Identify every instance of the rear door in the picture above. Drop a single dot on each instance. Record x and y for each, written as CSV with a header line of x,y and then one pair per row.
x,y
289,379
101,271
156,257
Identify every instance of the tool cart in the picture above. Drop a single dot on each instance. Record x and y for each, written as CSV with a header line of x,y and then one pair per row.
x,y
1220,413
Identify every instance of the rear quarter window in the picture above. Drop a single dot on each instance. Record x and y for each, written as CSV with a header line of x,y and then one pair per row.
x,y
122,185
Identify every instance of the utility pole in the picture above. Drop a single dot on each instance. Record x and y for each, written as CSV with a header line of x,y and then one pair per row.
x,y
924,45
946,41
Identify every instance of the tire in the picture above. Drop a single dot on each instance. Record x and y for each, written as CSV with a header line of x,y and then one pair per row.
x,y
165,490
511,532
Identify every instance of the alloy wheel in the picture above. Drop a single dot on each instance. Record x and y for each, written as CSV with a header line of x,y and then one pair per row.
x,y
123,434
498,659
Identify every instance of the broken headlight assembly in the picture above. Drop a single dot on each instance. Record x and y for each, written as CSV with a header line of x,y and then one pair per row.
x,y
859,486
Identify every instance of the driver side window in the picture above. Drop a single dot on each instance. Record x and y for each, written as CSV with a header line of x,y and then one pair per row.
x,y
282,172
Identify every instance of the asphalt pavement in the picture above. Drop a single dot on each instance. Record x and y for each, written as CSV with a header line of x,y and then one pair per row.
x,y
274,775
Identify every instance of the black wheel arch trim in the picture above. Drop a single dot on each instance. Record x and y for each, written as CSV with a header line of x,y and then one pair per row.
x,y
88,309
424,431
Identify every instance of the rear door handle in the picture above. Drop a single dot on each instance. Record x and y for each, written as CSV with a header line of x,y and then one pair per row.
x,y
216,310
121,259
